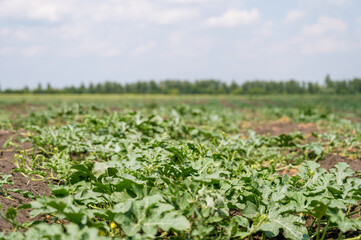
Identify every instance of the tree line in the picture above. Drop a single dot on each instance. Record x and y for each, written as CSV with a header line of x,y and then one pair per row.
x,y
206,86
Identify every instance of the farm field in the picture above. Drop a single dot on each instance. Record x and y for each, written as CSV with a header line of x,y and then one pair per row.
x,y
180,167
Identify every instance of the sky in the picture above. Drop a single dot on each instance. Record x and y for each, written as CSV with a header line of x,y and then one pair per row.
x,y
70,42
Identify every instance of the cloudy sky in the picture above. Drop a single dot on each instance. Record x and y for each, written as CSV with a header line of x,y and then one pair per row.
x,y
73,41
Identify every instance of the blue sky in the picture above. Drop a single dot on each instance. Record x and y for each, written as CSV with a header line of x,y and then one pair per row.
x,y
69,42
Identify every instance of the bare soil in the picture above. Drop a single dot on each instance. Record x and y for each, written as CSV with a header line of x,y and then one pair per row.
x,y
20,109
228,104
38,188
332,159
279,127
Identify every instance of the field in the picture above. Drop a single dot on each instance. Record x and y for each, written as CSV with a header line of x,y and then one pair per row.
x,y
180,167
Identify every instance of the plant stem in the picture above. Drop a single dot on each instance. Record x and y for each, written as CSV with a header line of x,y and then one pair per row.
x,y
349,209
313,222
353,213
355,238
12,222
254,229
339,236
325,230
319,228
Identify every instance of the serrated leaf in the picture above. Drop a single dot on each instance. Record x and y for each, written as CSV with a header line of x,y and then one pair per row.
x,y
288,224
341,170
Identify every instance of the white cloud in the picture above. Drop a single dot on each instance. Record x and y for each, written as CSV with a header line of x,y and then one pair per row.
x,y
253,48
293,15
266,29
186,45
323,25
32,51
189,1
315,45
89,47
322,45
28,51
233,18
323,37
95,47
172,16
22,35
76,30
358,20
97,28
141,10
6,50
4,31
67,10
111,52
36,9
142,48
337,2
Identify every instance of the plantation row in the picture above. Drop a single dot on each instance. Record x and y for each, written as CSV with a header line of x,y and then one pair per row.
x,y
183,173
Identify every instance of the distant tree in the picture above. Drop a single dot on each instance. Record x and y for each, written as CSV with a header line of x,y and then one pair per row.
x,y
38,89
293,87
82,88
328,82
234,88
313,88
355,85
26,89
91,88
206,86
341,87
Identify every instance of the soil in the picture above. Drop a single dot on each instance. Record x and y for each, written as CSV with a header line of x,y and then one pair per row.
x,y
278,128
290,171
235,212
17,109
327,163
228,104
332,159
38,188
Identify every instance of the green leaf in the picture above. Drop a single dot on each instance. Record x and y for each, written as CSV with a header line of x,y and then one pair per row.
x,y
11,213
278,217
129,227
341,170
290,227
250,210
99,169
26,194
169,220
60,192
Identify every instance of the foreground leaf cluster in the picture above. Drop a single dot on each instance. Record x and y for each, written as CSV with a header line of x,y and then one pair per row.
x,y
148,176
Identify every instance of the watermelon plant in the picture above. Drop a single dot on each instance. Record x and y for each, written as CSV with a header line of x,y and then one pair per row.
x,y
181,172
